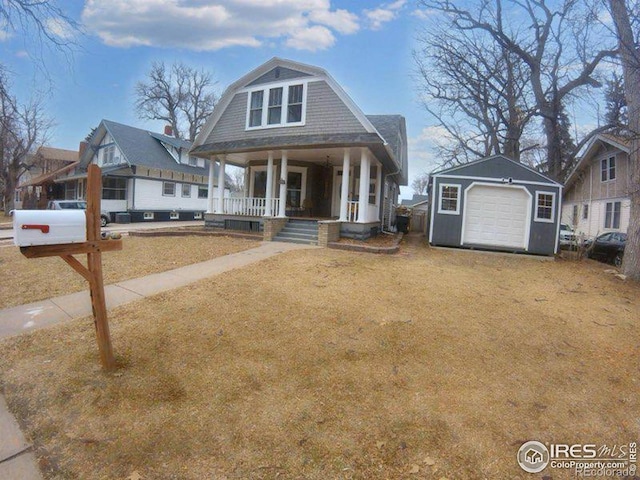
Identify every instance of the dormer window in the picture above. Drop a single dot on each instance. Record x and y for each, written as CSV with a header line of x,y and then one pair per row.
x,y
284,106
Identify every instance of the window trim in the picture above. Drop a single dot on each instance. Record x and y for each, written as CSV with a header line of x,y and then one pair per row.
x,y
284,108
206,190
182,189
168,194
585,211
536,218
148,216
441,187
174,215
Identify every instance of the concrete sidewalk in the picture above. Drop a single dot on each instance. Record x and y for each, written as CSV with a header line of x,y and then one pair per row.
x,y
16,459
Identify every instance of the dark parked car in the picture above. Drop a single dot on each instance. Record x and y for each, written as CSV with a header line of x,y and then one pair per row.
x,y
608,247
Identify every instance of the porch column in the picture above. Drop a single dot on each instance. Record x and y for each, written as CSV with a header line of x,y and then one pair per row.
x,y
363,201
269,194
283,185
212,164
379,188
344,189
220,208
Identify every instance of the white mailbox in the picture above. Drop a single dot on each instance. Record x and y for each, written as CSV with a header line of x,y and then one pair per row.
x,y
49,227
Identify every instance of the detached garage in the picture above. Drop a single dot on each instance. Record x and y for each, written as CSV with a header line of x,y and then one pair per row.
x,y
495,203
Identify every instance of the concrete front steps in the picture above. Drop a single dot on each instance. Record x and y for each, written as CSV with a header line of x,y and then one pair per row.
x,y
299,231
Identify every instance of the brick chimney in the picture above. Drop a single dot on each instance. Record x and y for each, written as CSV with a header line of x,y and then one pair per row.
x,y
81,149
168,131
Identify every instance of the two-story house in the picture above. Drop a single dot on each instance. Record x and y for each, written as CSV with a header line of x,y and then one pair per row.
x,y
146,175
596,195
37,185
307,150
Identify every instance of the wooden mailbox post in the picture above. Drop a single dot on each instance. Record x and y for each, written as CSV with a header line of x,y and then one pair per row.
x,y
93,247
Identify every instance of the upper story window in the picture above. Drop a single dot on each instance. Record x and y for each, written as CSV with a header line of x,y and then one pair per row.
x,y
108,155
276,106
608,169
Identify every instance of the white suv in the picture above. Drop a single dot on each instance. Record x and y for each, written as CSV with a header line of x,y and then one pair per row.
x,y
77,205
567,235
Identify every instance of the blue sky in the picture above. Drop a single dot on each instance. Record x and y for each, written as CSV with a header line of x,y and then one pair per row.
x,y
365,46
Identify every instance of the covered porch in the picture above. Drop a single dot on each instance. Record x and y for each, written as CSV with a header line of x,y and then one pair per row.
x,y
340,184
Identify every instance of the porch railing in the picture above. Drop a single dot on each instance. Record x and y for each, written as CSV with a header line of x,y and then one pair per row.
x,y
352,211
250,206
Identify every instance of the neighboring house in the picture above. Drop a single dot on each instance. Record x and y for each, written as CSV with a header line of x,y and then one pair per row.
x,y
596,196
419,206
417,202
495,203
146,175
37,185
307,150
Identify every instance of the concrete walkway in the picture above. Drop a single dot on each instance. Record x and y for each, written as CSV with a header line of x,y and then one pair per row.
x,y
16,459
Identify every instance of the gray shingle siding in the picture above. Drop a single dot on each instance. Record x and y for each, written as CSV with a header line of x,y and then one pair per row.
x,y
284,74
326,114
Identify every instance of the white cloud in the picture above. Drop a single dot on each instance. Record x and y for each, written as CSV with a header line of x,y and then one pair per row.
x,y
383,14
212,25
311,38
59,28
22,54
422,149
342,21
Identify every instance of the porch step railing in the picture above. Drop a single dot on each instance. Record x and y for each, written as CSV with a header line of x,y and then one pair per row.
x,y
250,206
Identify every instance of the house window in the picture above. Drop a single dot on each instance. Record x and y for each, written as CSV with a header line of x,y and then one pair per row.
x,y
585,211
449,199
174,216
255,110
608,169
108,155
612,215
203,192
186,190
269,113
147,215
294,105
275,106
70,191
294,189
193,161
545,204
574,220
197,216
114,188
169,189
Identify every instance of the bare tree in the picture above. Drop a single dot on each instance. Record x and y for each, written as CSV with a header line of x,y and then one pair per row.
x,y
476,89
560,42
22,128
420,184
178,95
629,53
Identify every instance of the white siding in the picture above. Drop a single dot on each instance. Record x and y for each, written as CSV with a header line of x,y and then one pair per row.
x,y
148,196
113,205
594,224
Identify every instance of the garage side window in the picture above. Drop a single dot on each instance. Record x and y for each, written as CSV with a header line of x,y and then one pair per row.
x,y
545,206
449,199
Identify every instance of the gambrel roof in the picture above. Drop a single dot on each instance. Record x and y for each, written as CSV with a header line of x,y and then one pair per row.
x,y
385,135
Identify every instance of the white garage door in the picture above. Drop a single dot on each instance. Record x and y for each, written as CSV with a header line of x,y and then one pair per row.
x,y
496,216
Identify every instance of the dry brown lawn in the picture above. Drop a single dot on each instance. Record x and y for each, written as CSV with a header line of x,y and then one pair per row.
x,y
324,364
29,280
